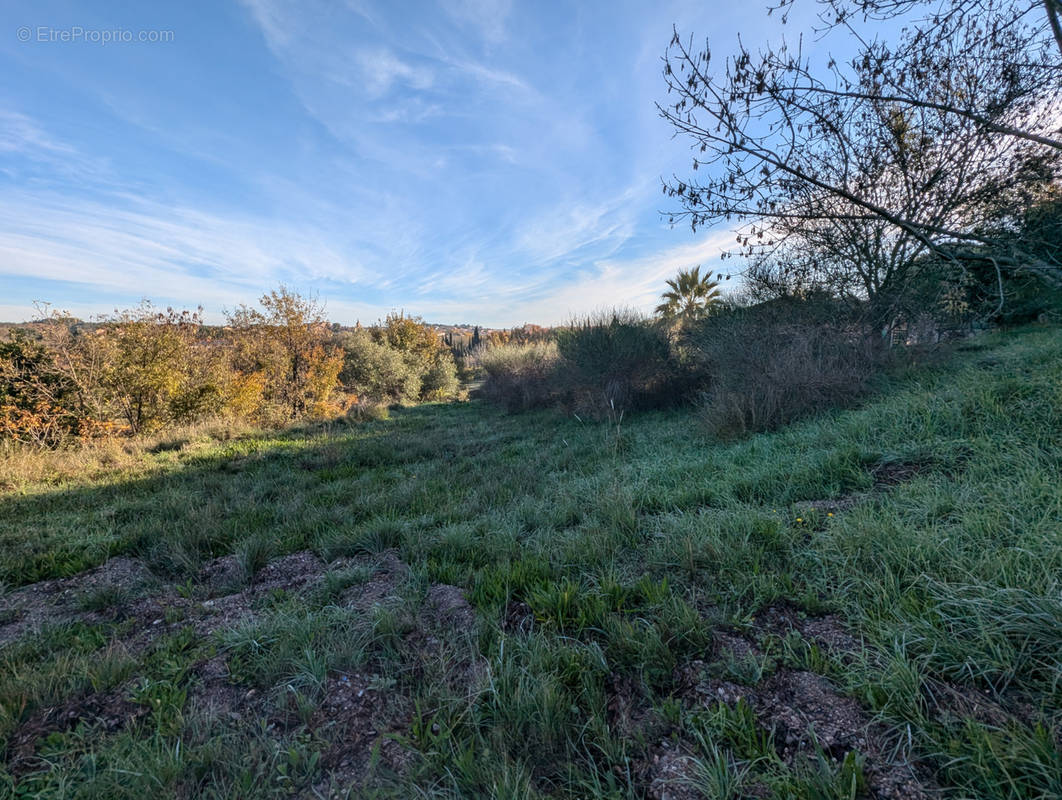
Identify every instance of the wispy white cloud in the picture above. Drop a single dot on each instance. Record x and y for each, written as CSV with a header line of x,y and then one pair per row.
x,y
161,251
467,279
381,69
488,17
573,226
618,282
22,135
491,76
25,144
275,19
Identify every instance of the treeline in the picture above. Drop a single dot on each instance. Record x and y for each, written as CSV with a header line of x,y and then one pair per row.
x,y
144,369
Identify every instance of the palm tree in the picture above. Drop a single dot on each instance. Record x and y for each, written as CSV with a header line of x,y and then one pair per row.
x,y
690,297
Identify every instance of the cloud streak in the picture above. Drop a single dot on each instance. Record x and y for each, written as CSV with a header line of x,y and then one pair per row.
x,y
472,161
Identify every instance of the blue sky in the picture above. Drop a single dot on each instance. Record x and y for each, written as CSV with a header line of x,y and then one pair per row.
x,y
468,160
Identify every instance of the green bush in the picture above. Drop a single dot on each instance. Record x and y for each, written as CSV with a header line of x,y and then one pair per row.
x,y
423,352
399,361
376,370
617,360
440,381
600,365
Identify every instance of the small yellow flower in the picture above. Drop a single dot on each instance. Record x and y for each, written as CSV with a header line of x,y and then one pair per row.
x,y
800,519
829,513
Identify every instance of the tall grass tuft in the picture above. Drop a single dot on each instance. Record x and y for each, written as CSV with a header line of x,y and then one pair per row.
x,y
519,376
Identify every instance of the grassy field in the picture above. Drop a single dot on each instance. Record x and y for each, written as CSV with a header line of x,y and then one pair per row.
x,y
455,602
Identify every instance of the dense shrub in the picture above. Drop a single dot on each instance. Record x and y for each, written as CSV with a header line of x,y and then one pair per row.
x,y
375,370
615,361
773,363
400,360
37,406
519,376
601,365
143,369
424,353
138,370
440,381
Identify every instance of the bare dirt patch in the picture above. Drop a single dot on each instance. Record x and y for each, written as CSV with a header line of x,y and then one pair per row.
x,y
953,703
885,475
290,573
834,506
806,714
828,631
518,618
389,573
892,473
112,589
805,710
359,722
445,608
694,683
217,695
444,642
628,710
110,710
727,645
672,774
221,576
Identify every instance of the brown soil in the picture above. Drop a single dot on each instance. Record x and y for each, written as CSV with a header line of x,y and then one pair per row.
x,y
727,645
57,601
827,631
885,475
518,618
444,642
356,720
389,573
804,710
110,710
672,774
628,711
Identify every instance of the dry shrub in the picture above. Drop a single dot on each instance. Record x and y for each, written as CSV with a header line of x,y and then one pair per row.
x,y
519,376
771,365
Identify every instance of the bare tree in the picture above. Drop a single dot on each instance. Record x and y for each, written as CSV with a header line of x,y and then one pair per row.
x,y
927,146
1047,28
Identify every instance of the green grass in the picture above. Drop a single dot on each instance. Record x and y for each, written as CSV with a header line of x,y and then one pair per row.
x,y
631,548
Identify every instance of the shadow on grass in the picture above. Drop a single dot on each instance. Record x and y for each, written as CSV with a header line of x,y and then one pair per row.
x,y
423,462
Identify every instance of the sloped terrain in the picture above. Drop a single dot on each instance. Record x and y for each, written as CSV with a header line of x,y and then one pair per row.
x,y
456,602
